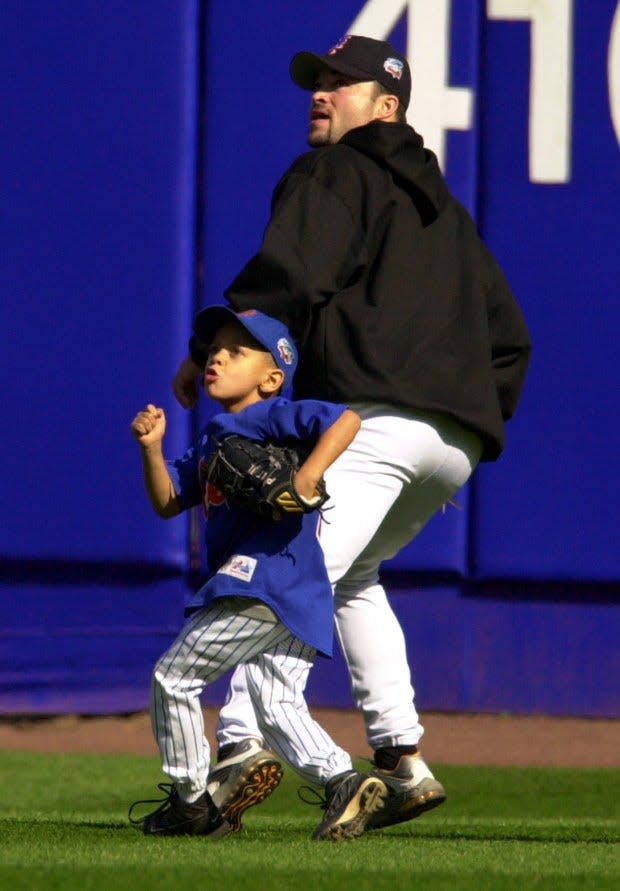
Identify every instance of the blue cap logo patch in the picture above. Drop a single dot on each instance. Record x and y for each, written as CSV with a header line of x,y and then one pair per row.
x,y
286,351
393,67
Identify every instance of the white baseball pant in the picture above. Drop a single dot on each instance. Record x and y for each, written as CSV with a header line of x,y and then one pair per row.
x,y
400,469
214,640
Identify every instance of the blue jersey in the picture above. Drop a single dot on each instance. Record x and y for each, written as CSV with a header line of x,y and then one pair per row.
x,y
280,563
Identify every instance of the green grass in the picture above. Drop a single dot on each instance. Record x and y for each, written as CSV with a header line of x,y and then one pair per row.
x,y
63,825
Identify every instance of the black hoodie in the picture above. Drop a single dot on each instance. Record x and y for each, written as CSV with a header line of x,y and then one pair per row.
x,y
383,281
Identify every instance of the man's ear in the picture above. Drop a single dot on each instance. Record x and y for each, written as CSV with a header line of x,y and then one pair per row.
x,y
271,382
388,106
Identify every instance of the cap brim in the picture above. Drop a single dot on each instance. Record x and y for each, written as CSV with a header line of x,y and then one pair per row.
x,y
209,320
305,68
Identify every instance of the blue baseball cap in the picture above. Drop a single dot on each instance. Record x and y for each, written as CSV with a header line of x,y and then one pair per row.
x,y
269,332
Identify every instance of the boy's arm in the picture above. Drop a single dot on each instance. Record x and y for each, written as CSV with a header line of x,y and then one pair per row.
x,y
328,447
148,428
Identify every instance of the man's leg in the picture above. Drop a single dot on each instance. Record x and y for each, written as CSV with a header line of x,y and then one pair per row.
x,y
357,478
380,676
397,473
379,673
400,471
237,718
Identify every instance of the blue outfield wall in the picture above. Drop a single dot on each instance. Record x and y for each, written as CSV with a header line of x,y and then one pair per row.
x,y
145,140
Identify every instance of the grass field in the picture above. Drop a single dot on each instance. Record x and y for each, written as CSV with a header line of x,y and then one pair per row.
x,y
64,825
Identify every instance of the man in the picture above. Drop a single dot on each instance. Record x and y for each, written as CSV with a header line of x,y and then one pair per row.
x,y
400,311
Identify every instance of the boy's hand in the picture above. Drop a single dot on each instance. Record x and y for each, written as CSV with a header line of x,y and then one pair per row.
x,y
307,488
149,426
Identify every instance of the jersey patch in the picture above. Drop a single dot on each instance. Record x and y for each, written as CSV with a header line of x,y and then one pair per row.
x,y
239,567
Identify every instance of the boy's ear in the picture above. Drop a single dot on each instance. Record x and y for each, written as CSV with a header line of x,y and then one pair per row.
x,y
272,381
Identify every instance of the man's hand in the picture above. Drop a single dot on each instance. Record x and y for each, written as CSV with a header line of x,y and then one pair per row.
x,y
149,426
184,383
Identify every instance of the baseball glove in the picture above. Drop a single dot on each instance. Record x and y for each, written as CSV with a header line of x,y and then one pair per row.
x,y
259,476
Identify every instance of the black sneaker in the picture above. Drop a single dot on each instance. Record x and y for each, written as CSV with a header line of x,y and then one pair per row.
x,y
351,798
177,817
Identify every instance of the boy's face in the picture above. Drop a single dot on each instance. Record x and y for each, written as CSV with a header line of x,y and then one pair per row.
x,y
239,371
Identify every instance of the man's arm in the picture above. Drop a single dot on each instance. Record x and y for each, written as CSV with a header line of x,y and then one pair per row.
x,y
296,268
510,342
312,246
148,428
328,447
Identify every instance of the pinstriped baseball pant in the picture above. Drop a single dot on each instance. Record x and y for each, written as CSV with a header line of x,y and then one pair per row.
x,y
214,640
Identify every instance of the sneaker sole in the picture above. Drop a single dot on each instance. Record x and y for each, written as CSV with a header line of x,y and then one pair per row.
x,y
370,798
186,829
253,786
223,829
409,810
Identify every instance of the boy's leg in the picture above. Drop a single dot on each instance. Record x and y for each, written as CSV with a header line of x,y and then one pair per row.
x,y
210,643
276,681
272,687
213,641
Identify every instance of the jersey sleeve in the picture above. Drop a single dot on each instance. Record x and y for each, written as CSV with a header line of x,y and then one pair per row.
x,y
305,419
279,419
185,479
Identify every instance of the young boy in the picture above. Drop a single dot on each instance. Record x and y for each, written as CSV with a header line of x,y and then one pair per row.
x,y
267,596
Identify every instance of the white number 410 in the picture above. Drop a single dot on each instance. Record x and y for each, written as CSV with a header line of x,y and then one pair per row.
x,y
437,107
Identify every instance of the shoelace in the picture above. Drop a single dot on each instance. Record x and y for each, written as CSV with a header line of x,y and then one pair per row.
x,y
333,796
316,799
168,790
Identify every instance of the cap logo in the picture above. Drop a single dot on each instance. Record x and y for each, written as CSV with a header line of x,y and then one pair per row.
x,y
247,312
286,351
394,67
340,45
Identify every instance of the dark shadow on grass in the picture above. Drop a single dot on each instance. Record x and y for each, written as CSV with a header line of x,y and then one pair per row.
x,y
72,824
514,835
404,834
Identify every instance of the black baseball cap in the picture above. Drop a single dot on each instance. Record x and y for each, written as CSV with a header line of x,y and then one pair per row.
x,y
360,57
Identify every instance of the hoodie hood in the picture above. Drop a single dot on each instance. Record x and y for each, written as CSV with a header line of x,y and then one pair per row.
x,y
400,150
